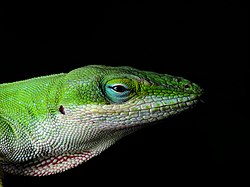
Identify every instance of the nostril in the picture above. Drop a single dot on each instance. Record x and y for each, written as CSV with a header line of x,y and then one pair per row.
x,y
178,80
186,86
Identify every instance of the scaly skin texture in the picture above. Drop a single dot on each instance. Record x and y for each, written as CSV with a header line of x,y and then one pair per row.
x,y
53,123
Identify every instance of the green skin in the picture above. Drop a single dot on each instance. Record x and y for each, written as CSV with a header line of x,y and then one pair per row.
x,y
53,123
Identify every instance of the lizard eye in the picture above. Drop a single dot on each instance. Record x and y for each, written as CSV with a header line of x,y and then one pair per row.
x,y
119,90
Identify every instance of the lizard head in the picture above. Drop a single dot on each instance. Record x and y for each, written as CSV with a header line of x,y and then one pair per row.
x,y
120,97
93,108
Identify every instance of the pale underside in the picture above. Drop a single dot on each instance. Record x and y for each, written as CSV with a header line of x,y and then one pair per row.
x,y
71,141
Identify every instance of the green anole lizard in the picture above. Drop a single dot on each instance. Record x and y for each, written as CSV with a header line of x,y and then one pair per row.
x,y
53,123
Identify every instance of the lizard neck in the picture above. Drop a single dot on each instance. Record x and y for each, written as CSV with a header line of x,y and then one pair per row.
x,y
22,105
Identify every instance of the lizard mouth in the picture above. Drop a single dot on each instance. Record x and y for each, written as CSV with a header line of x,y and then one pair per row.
x,y
146,115
49,165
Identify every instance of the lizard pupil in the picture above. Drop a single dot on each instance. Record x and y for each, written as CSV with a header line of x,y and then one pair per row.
x,y
119,88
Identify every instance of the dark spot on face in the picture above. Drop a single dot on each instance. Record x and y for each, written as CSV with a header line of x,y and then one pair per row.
x,y
61,109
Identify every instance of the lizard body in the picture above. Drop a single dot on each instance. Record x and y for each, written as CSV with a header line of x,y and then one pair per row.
x,y
53,123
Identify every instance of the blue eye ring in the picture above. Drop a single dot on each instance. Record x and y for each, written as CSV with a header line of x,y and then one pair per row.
x,y
118,92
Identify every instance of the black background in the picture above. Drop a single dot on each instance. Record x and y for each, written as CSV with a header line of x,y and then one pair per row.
x,y
203,41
